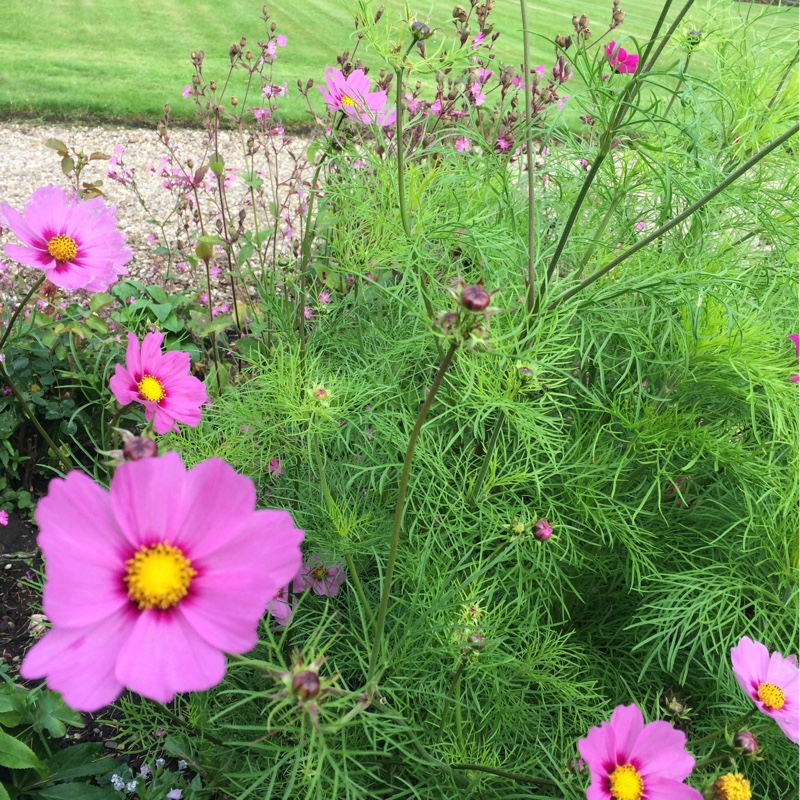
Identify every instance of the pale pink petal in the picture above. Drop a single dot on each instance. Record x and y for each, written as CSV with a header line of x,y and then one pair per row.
x,y
627,722
660,752
790,725
781,672
750,662
148,499
29,256
164,656
22,230
666,789
81,663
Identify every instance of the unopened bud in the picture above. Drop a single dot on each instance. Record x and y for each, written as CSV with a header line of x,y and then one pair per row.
x,y
477,641
420,31
542,530
204,251
746,741
213,86
378,14
564,42
306,684
676,707
243,41
475,298
248,55
234,101
138,447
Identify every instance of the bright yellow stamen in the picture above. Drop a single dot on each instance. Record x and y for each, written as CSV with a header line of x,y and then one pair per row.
x,y
626,783
732,786
348,101
158,576
319,573
771,696
151,388
62,248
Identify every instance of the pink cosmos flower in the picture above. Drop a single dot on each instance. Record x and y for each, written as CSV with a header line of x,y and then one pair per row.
x,y
771,682
160,382
622,61
796,339
75,242
321,579
148,585
352,96
3,517
631,760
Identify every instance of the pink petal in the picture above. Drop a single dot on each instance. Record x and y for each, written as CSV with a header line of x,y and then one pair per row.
x,y
148,499
123,386
164,656
174,364
627,723
750,662
151,353
790,725
782,672
164,421
660,751
666,789
30,256
80,663
22,230
133,359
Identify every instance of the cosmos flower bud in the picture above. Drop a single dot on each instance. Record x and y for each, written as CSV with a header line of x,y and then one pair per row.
x,y
746,741
477,641
542,530
475,298
420,31
138,447
306,684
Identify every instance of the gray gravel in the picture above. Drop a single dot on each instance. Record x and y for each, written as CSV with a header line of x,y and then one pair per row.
x,y
26,163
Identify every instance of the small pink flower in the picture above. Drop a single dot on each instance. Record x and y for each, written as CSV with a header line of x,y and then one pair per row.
x,y
477,41
622,61
186,90
275,467
160,382
282,606
320,578
351,95
174,794
75,242
280,39
3,517
771,682
502,144
631,760
463,145
796,339
148,585
324,296
306,312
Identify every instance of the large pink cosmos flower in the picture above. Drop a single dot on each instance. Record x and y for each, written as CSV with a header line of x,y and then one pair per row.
x,y
75,242
352,96
148,585
160,382
771,682
795,337
620,59
629,760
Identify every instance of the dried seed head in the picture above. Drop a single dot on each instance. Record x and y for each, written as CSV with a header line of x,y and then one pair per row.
x,y
138,447
306,684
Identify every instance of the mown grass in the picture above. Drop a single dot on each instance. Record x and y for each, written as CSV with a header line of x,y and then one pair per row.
x,y
121,60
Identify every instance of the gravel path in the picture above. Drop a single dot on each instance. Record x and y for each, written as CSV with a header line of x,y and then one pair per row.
x,y
26,164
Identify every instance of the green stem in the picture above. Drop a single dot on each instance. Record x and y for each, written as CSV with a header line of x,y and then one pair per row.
x,y
713,760
783,80
210,319
503,774
528,136
454,684
330,504
678,87
735,724
600,231
32,417
16,314
399,509
401,184
676,220
476,487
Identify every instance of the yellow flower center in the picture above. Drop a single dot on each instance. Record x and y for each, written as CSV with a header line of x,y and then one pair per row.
x,y
732,786
771,696
158,576
319,573
62,248
151,388
626,783
348,101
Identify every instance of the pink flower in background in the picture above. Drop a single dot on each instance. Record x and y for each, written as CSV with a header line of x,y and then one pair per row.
x,y
275,467
160,382
477,41
463,145
260,113
628,759
280,40
324,296
306,312
75,242
796,339
320,578
282,606
622,61
771,682
502,144
352,96
174,794
149,584
3,517
186,90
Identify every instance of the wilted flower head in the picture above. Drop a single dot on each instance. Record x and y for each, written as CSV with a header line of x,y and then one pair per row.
x,y
160,382
771,682
629,760
622,61
352,96
75,242
150,584
731,786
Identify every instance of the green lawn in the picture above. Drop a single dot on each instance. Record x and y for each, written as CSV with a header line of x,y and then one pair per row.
x,y
121,60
